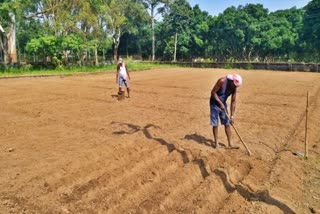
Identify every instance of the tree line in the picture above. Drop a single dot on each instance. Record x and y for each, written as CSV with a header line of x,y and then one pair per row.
x,y
59,32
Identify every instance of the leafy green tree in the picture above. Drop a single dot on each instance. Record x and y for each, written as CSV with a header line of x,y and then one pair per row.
x,y
72,44
27,30
8,31
78,30
283,33
156,7
178,18
311,29
199,33
86,24
237,32
226,38
141,45
123,16
47,47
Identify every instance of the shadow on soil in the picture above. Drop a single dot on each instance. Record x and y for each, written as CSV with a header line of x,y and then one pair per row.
x,y
202,140
170,147
133,128
262,196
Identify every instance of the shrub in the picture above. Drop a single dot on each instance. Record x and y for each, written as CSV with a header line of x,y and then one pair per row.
x,y
249,66
228,66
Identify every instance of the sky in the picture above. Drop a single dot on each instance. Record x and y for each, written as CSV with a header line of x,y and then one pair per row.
x,y
214,7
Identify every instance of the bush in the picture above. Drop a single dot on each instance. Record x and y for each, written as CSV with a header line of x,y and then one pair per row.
x,y
57,63
26,67
3,67
249,66
228,66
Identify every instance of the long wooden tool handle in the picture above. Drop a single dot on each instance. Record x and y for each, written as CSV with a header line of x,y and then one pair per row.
x,y
245,145
306,129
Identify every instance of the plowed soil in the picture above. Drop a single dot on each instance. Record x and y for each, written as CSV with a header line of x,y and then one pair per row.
x,y
67,145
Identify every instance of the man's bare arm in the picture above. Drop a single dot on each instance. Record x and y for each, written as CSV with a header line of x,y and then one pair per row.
x,y
127,71
117,73
233,105
214,91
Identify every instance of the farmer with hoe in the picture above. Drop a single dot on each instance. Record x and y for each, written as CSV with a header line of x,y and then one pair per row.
x,y
123,76
224,87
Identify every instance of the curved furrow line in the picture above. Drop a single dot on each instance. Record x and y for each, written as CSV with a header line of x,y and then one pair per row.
x,y
129,183
261,196
235,172
148,199
202,197
159,201
277,165
264,195
150,175
115,172
209,194
78,178
182,182
87,162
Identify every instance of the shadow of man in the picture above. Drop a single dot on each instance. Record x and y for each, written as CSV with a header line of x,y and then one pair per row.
x,y
201,140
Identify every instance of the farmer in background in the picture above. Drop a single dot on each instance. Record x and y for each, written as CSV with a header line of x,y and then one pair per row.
x,y
123,75
224,87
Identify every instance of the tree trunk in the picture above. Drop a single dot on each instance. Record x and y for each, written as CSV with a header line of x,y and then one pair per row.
x,y
249,56
88,56
65,57
153,34
96,61
12,50
115,52
175,47
116,42
103,56
3,46
127,50
81,55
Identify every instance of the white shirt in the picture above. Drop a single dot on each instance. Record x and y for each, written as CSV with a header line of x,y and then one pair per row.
x,y
123,72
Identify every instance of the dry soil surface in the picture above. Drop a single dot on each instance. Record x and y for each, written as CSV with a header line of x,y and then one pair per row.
x,y
67,145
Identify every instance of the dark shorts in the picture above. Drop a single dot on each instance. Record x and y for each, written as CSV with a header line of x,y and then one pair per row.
x,y
216,113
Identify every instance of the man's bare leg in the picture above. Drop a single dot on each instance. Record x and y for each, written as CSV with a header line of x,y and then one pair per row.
x,y
215,135
228,133
128,90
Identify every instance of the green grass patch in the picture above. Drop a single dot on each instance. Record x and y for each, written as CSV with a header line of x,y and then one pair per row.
x,y
27,70
228,66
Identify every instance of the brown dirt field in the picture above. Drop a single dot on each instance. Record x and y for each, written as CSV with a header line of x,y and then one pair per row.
x,y
67,145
